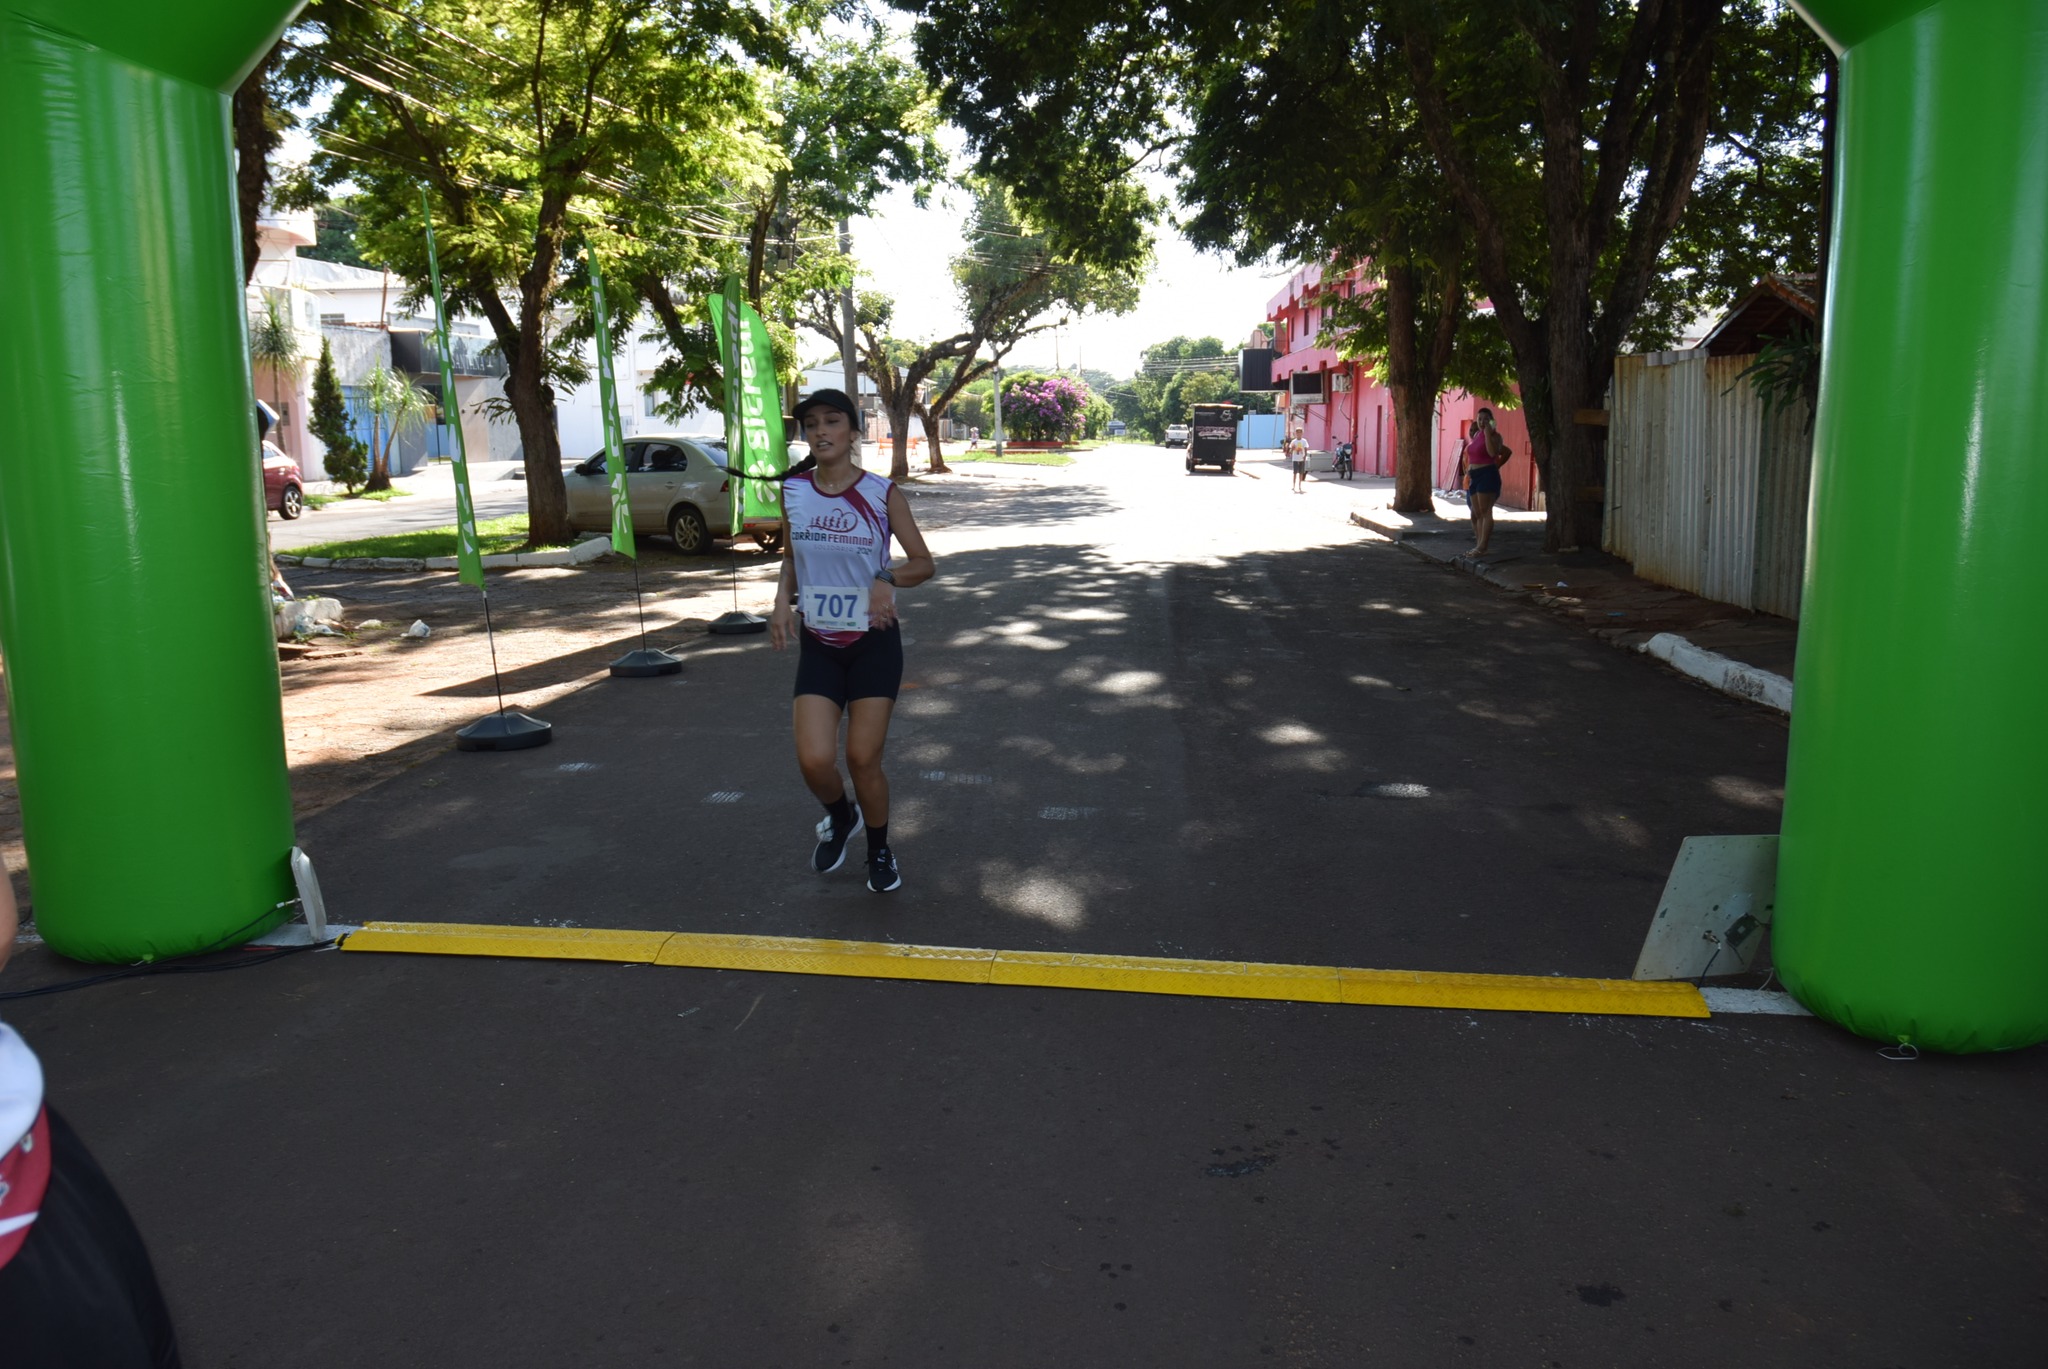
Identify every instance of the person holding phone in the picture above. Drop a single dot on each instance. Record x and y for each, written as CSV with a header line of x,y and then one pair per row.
x,y
1479,467
836,598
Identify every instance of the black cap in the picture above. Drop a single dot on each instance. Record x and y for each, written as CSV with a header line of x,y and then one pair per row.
x,y
827,399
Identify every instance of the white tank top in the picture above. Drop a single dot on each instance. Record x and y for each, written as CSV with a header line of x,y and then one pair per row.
x,y
839,540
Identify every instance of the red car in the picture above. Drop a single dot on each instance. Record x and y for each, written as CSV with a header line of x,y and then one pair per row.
x,y
284,489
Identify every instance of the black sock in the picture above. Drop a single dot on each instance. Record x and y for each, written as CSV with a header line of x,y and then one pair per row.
x,y
878,837
841,810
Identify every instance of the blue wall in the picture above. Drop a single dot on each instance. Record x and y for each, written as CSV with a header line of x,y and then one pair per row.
x,y
1261,430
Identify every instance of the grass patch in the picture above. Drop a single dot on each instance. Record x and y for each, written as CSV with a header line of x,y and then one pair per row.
x,y
381,495
497,535
1013,458
321,501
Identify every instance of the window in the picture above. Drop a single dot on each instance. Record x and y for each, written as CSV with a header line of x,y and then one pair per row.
x,y
647,402
333,320
666,456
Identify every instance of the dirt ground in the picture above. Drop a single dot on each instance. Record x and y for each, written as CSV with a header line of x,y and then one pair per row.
x,y
364,706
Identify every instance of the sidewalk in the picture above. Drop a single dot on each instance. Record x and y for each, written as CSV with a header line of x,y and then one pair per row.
x,y
437,476
1732,649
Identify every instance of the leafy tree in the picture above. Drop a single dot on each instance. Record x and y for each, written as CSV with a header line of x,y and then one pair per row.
x,y
850,123
1567,140
843,126
330,423
1012,283
334,232
1095,418
536,124
1399,295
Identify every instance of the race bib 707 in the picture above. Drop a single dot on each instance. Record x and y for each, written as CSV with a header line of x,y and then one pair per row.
x,y
836,609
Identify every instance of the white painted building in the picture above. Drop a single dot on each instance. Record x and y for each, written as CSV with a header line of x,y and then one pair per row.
x,y
361,315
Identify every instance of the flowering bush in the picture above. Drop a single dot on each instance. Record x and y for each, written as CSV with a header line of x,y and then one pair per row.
x,y
1045,408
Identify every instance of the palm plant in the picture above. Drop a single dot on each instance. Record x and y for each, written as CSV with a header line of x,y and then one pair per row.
x,y
397,406
274,342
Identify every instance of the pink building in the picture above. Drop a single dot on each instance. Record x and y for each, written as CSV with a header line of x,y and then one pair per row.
x,y
1339,401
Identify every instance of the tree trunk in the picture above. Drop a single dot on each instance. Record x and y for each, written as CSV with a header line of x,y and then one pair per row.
x,y
936,462
547,498
1578,380
255,140
1414,399
1414,448
899,443
380,469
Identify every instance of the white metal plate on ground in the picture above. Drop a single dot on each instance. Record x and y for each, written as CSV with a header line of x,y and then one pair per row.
x,y
1716,906
1768,1002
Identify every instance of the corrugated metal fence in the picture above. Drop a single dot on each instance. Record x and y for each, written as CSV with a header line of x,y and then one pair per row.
x,y
1705,492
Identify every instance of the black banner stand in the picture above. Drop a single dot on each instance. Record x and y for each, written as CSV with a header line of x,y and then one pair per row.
x,y
501,731
647,661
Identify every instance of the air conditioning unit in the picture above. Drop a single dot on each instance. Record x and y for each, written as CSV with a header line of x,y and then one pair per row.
x,y
1306,387
1340,382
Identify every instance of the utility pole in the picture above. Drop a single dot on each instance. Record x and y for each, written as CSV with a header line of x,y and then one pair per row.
x,y
846,357
998,392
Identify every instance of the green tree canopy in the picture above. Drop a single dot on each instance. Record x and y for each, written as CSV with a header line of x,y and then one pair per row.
x,y
625,126
1565,140
1011,282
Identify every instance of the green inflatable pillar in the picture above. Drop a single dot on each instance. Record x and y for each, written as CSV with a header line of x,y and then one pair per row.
x,y
134,615
1912,895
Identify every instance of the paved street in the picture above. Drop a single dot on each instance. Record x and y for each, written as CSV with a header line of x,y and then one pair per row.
x,y
1145,712
430,505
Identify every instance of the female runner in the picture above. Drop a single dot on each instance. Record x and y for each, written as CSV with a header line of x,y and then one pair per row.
x,y
837,597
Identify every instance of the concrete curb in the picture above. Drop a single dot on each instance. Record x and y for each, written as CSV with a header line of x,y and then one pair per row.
x,y
581,554
1723,673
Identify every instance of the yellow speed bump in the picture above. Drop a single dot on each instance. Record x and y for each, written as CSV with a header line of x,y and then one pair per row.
x,y
1043,969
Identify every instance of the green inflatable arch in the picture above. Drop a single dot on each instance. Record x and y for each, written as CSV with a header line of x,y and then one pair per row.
x,y
134,614
1912,904
143,683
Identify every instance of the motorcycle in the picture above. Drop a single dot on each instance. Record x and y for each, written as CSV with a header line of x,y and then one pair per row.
x,y
1340,462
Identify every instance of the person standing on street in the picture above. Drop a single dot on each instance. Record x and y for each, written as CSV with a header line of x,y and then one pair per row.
x,y
1479,467
76,1285
837,599
1297,450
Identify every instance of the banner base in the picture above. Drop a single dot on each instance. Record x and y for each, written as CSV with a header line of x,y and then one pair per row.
x,y
645,662
504,732
736,623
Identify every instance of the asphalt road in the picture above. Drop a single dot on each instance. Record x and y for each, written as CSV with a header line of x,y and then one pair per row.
x,y
1145,712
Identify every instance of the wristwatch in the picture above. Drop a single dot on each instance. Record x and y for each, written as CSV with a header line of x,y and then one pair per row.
x,y
886,574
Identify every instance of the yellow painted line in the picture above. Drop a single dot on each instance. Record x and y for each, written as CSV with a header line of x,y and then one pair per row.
x,y
539,943
1044,969
806,955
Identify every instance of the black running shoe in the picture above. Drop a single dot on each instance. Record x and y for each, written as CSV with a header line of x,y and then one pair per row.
x,y
831,852
882,873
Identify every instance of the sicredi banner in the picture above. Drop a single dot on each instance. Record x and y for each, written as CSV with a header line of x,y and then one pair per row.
x,y
754,439
469,558
608,404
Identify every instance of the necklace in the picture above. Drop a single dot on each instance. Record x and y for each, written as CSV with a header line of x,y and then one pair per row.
x,y
852,470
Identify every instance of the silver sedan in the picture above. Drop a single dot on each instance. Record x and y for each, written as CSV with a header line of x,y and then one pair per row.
x,y
677,486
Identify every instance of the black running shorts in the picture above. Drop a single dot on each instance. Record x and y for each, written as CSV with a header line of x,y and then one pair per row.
x,y
871,668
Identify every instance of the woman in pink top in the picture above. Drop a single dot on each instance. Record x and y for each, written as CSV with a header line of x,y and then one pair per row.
x,y
1479,467
837,600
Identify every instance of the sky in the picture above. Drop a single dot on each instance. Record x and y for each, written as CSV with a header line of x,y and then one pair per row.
x,y
903,252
